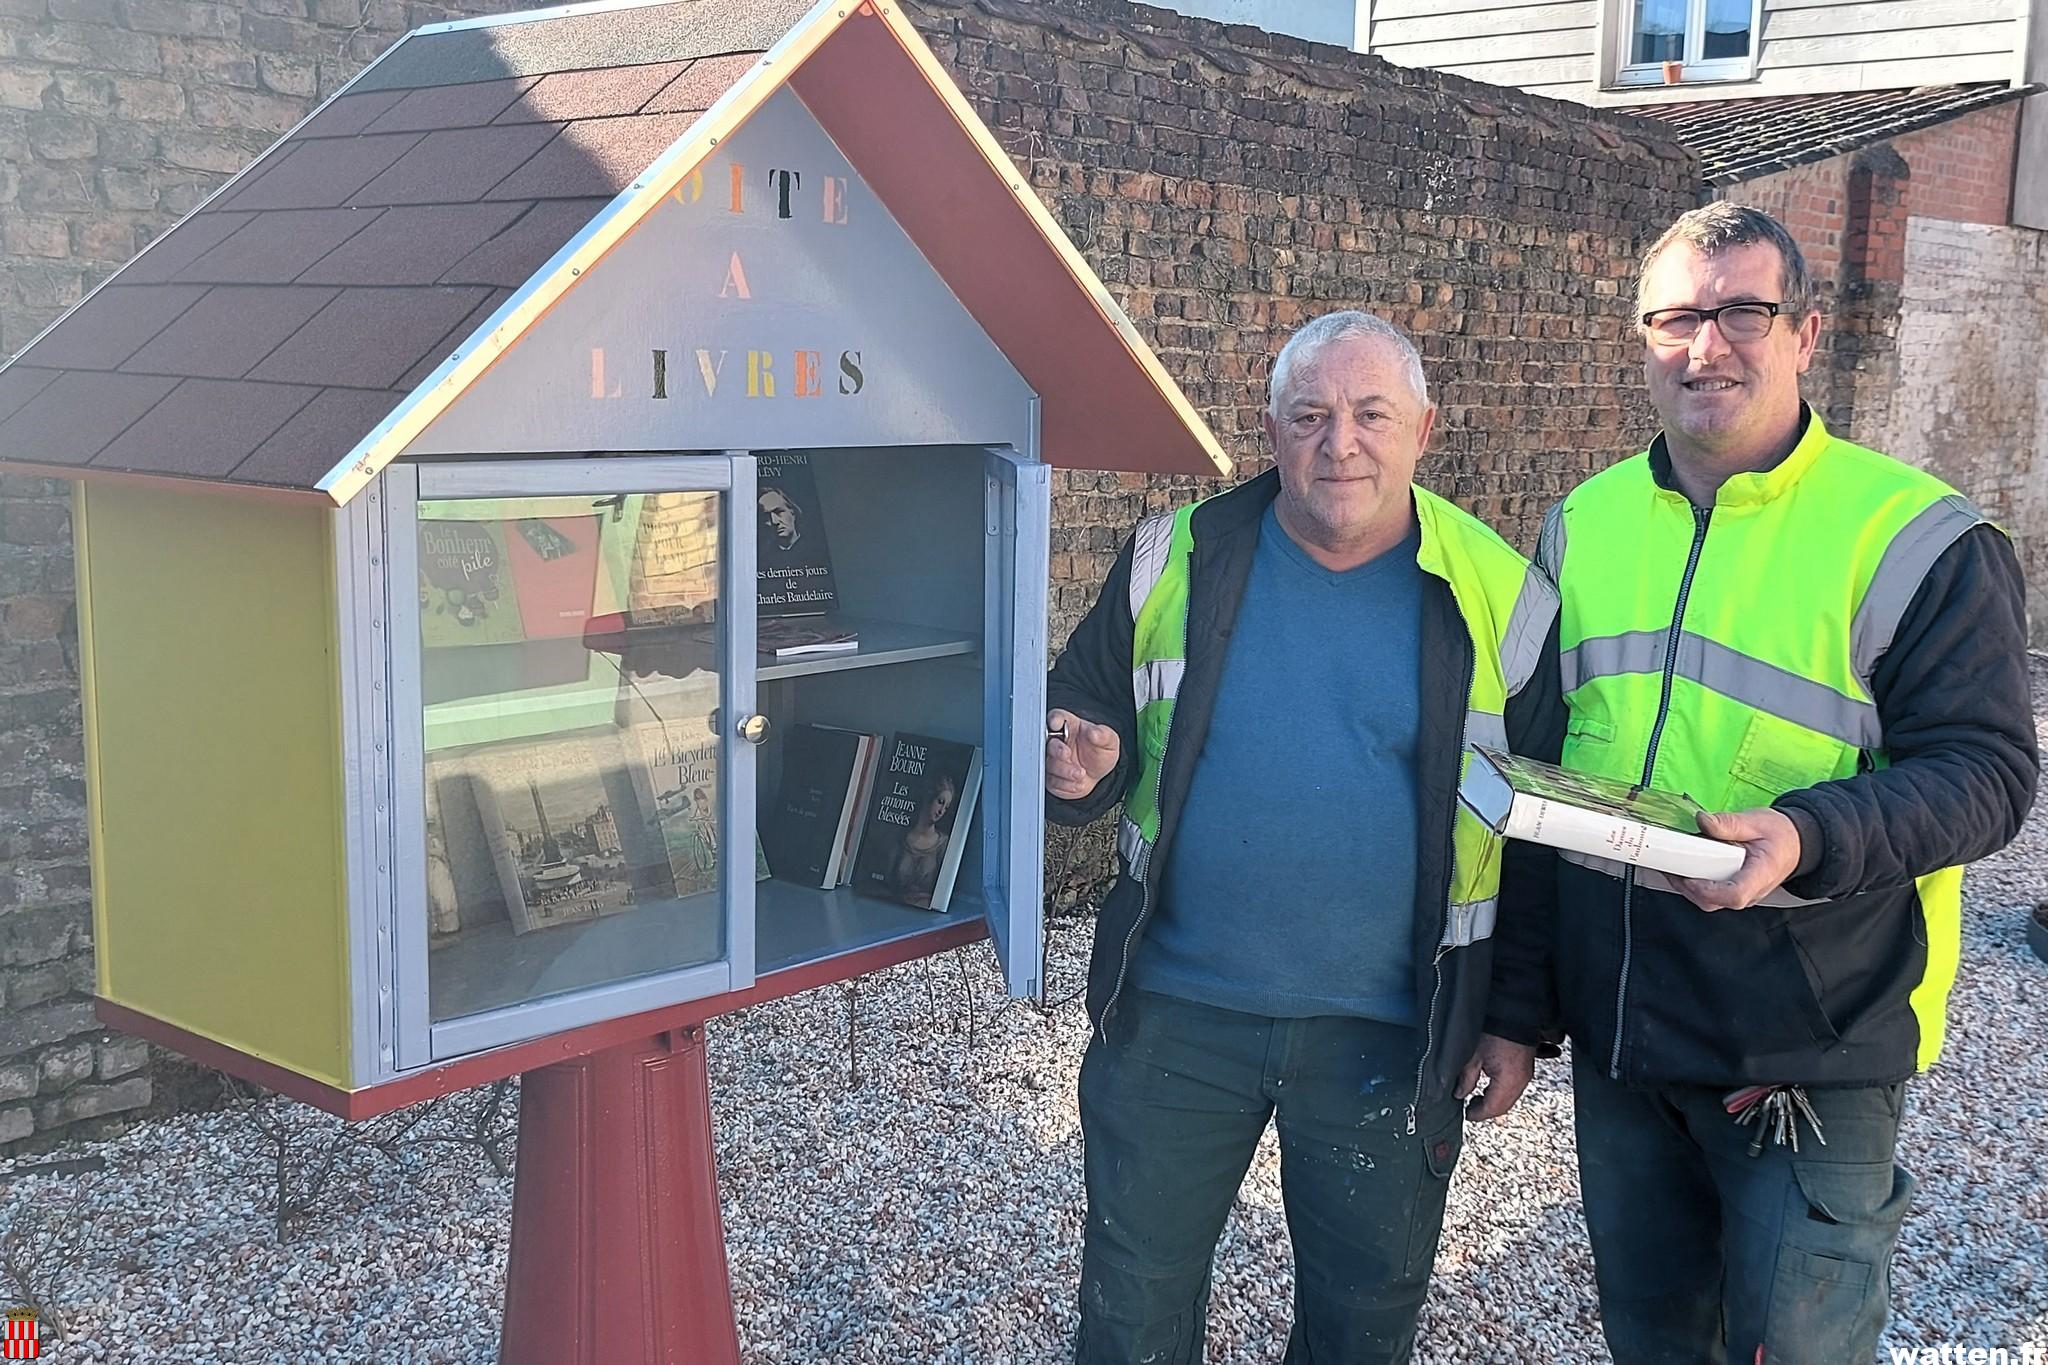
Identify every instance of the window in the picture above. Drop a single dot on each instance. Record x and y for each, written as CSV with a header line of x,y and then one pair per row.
x,y
1712,40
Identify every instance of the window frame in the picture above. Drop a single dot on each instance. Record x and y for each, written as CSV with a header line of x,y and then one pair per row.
x,y
1697,69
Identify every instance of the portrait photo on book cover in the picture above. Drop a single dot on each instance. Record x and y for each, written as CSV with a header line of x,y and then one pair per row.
x,y
795,567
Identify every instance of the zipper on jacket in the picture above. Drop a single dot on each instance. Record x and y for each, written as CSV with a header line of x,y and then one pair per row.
x,y
1436,963
1700,517
1145,879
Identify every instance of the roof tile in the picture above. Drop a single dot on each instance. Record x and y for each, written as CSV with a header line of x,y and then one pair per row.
x,y
75,416
318,437
277,246
347,115
412,245
454,167
113,324
18,384
595,157
700,86
591,94
451,106
323,174
510,258
455,336
367,338
226,333
204,428
173,251
1739,139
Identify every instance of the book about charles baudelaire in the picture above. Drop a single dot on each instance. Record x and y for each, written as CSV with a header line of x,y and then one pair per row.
x,y
794,563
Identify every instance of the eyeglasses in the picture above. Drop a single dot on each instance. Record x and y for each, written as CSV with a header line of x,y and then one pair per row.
x,y
1747,321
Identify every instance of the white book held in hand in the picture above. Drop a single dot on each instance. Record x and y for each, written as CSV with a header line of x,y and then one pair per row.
x,y
1597,816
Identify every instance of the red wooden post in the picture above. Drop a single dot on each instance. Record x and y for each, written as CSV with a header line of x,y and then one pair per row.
x,y
618,1251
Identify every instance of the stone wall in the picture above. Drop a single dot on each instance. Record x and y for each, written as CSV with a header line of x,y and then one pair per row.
x,y
1227,184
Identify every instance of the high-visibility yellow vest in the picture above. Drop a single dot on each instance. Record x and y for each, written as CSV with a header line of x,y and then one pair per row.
x,y
1507,607
1771,609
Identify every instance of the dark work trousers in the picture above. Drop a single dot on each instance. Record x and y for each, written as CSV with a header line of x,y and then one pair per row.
x,y
1174,1097
1707,1255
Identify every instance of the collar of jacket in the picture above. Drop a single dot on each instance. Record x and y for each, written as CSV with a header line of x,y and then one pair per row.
x,y
1240,508
1755,489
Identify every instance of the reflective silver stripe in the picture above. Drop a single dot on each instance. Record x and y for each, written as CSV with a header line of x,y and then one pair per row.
x,y
1756,684
1550,542
1521,645
1131,843
1603,656
1157,681
1483,727
1899,574
1149,544
1782,693
1652,880
1469,922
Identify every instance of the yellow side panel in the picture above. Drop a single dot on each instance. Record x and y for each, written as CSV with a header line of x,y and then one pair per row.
x,y
213,742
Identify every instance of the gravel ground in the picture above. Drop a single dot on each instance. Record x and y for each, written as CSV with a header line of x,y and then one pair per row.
x,y
931,1212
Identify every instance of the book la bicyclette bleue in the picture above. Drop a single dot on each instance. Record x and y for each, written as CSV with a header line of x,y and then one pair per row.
x,y
1522,798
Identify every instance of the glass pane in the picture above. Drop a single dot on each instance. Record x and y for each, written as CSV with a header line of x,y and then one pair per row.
x,y
1727,29
1659,32
569,654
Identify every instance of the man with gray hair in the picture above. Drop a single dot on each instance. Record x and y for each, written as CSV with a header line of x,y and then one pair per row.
x,y
1278,684
1826,648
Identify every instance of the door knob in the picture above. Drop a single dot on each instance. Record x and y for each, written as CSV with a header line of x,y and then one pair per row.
x,y
753,729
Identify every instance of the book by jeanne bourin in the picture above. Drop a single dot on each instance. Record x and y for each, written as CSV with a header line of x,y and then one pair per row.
x,y
918,820
1522,798
794,565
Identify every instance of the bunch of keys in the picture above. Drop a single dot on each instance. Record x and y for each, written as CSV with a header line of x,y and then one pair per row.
x,y
1776,1111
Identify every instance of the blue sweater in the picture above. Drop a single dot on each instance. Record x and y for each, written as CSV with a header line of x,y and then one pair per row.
x,y
1290,885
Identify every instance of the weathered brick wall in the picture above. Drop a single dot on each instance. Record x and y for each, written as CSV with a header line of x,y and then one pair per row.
x,y
1962,169
1968,398
1227,185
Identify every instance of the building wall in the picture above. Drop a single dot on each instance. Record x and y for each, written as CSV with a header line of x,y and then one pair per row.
x,y
1320,21
1970,397
1226,184
1570,48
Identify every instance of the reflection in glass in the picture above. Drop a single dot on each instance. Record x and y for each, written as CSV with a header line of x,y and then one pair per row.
x,y
1659,32
1727,29
573,833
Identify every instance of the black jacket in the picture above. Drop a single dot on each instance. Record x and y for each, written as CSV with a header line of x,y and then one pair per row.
x,y
1819,994
1092,679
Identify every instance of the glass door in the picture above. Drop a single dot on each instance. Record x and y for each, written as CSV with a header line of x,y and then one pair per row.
x,y
571,698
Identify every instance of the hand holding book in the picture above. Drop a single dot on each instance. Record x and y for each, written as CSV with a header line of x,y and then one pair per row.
x,y
1770,853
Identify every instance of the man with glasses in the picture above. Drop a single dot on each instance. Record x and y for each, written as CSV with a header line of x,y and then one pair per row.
x,y
1827,648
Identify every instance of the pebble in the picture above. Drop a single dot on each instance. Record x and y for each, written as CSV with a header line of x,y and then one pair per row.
x,y
932,1212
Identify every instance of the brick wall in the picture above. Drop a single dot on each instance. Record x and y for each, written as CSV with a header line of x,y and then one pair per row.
x,y
1962,169
1226,184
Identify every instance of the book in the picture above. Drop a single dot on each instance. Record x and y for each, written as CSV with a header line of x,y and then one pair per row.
x,y
918,817
821,779
792,638
673,738
549,813
793,564
1522,798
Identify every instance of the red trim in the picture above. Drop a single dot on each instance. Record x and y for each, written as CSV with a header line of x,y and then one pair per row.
x,y
499,1063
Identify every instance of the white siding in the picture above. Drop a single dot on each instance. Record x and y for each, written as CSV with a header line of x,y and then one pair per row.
x,y
1547,47
1555,47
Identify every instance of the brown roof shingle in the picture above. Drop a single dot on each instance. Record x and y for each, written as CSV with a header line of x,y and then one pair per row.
x,y
265,335
1742,139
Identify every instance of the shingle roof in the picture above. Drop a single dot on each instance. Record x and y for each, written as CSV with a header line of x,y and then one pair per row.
x,y
261,338
283,335
1741,139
